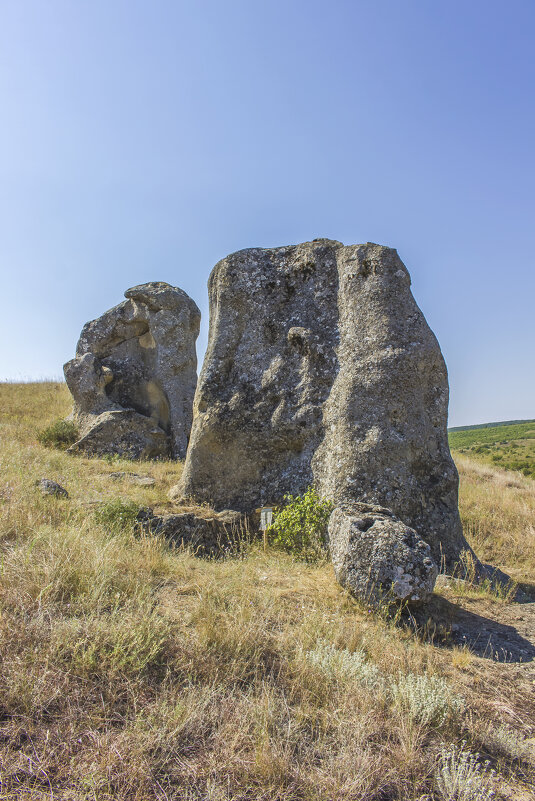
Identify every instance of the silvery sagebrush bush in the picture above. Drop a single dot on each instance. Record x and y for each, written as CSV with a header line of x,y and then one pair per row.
x,y
461,777
427,699
343,665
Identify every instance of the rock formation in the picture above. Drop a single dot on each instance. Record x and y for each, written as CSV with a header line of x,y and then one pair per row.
x,y
376,556
134,375
207,533
321,369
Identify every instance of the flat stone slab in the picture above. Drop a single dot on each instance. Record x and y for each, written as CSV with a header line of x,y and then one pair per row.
x,y
132,478
208,533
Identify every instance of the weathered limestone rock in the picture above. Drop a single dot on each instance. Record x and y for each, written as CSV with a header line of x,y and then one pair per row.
x,y
268,370
132,478
49,487
321,369
207,533
134,375
385,419
376,556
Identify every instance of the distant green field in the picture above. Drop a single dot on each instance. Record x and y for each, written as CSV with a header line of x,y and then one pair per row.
x,y
509,446
489,425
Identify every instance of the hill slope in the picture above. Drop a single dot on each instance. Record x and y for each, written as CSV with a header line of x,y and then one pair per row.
x,y
132,671
490,425
511,446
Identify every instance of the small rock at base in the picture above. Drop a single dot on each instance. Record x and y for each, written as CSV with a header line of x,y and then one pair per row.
x,y
49,487
378,557
212,534
133,478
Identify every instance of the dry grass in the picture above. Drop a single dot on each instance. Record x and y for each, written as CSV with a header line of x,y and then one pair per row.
x,y
498,513
133,671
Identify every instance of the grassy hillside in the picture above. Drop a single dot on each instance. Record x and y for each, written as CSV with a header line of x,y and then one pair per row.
x,y
133,671
511,447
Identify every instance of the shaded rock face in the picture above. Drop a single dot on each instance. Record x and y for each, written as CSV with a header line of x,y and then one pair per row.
x,y
376,556
134,375
208,535
321,369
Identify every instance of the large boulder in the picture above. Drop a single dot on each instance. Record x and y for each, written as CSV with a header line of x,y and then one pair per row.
x,y
134,375
377,557
321,369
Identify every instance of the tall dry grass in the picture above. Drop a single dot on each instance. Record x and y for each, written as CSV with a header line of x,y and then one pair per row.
x,y
498,513
132,671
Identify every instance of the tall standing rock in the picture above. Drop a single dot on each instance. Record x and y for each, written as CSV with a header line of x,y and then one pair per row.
x,y
134,375
386,438
268,370
321,369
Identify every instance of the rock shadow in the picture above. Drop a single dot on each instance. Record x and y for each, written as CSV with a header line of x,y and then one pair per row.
x,y
447,625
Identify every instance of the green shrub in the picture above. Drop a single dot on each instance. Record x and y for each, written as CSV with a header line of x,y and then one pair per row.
x,y
60,434
300,527
117,514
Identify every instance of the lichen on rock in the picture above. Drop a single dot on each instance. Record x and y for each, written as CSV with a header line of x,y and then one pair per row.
x,y
378,557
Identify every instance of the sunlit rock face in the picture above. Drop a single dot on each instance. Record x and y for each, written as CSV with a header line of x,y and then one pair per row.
x,y
135,373
377,557
321,369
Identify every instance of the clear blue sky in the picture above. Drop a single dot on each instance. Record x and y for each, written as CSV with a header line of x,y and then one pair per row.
x,y
146,140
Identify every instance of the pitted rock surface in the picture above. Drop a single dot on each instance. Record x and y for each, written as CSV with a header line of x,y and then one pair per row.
x,y
321,369
376,556
134,375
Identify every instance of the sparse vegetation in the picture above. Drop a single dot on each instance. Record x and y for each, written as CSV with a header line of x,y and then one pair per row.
x,y
462,777
498,514
130,671
343,665
468,582
426,699
117,514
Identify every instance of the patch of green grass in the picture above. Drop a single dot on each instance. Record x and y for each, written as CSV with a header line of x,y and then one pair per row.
x,y
117,514
490,436
60,434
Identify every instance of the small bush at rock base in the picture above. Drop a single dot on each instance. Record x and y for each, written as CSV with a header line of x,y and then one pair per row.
x,y
300,527
60,434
